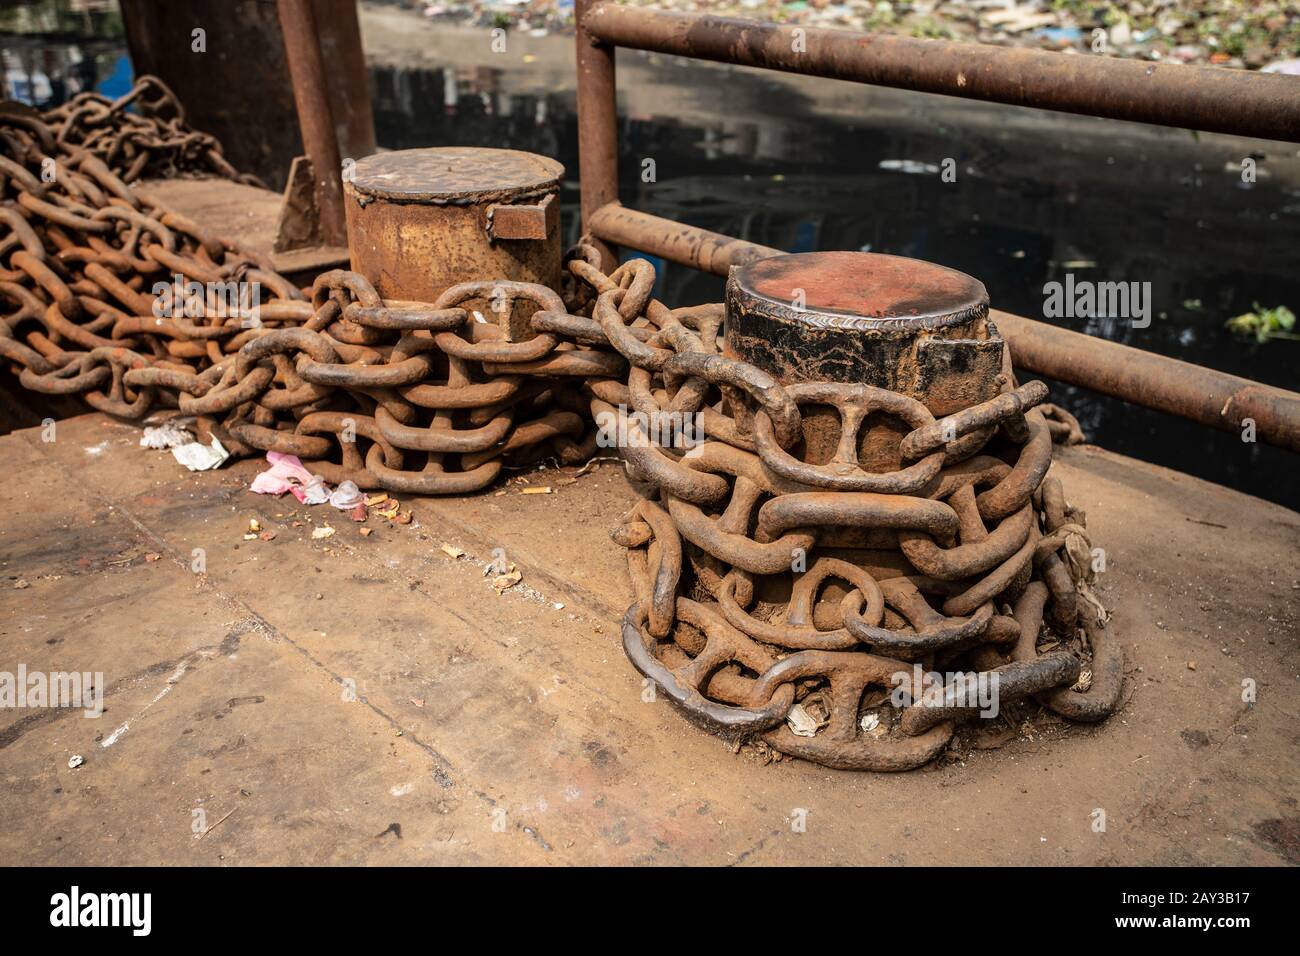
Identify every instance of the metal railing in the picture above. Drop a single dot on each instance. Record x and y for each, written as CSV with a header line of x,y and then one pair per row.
x,y
1203,98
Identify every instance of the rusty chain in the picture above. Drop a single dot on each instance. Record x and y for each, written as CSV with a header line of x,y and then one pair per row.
x,y
140,134
764,581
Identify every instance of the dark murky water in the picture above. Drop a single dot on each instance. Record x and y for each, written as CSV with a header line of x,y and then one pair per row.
x,y
1031,203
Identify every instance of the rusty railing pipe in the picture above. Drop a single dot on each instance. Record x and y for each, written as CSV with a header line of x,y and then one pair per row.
x,y
315,118
1189,391
1213,99
1148,379
688,245
597,124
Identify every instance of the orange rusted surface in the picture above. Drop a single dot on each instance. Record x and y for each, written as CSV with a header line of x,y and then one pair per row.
x,y
421,220
869,285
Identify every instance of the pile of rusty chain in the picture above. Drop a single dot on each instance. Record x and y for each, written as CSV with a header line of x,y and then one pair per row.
x,y
768,586
140,134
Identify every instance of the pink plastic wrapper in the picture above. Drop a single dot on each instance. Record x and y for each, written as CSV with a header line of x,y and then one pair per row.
x,y
287,474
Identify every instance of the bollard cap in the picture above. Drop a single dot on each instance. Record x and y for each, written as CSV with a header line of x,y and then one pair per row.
x,y
909,326
455,174
859,290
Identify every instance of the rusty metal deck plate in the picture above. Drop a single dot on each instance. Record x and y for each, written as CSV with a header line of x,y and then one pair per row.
x,y
469,702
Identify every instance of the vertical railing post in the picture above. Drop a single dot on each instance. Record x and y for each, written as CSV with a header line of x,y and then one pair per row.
x,y
597,126
315,118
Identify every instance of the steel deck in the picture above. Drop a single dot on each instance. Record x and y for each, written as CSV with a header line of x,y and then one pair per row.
x,y
226,691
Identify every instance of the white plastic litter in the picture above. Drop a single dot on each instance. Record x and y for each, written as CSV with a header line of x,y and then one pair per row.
x,y
197,457
167,435
1283,66
346,496
802,723
316,493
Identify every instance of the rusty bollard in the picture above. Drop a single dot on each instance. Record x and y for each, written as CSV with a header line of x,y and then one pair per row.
x,y
913,327
422,220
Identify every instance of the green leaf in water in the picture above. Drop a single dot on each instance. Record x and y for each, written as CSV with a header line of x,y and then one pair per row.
x,y
1265,324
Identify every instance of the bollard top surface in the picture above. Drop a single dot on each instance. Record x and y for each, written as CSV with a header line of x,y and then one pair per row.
x,y
455,174
861,290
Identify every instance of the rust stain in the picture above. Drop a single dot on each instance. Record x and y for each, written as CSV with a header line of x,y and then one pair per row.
x,y
866,284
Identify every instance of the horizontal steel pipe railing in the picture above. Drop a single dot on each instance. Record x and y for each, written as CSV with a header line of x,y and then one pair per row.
x,y
1165,94
1148,379
1151,380
687,245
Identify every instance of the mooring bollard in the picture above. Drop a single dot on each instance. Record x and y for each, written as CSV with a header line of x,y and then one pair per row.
x,y
913,327
423,220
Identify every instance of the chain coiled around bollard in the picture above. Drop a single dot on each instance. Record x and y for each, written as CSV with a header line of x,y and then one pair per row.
x,y
764,581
